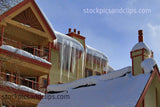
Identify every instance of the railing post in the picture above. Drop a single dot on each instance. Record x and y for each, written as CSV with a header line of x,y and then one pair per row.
x,y
33,51
49,52
37,83
0,66
47,79
2,34
16,79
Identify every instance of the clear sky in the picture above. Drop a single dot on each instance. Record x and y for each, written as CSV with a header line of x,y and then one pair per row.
x,y
114,34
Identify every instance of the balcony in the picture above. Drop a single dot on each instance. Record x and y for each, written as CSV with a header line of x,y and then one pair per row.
x,y
30,60
24,84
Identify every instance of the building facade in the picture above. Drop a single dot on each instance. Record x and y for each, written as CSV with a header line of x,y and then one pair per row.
x,y
33,55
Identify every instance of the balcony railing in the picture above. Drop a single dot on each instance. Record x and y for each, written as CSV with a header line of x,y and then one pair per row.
x,y
31,49
22,81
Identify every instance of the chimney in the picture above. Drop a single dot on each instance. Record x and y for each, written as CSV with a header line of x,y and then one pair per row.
x,y
69,30
78,32
140,37
74,30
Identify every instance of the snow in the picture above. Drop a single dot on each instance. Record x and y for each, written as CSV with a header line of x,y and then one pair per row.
x,y
23,53
89,80
20,87
141,45
116,74
94,52
66,40
119,92
148,65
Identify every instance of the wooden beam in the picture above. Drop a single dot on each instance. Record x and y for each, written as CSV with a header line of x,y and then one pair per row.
x,y
30,29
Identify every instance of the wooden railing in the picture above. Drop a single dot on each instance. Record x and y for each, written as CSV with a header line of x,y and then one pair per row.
x,y
22,81
30,49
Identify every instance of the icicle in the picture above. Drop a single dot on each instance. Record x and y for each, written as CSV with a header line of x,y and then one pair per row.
x,y
100,64
78,60
61,57
55,43
69,59
83,55
73,60
92,59
96,63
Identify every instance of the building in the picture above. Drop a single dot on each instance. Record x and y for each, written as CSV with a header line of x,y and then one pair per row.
x,y
134,86
33,55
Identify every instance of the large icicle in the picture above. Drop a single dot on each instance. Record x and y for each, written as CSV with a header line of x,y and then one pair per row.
x,y
69,48
97,56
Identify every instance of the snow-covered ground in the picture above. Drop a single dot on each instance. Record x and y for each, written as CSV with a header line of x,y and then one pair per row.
x,y
20,87
23,53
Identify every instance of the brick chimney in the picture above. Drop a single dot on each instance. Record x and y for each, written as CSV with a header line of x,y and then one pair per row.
x,y
76,35
140,37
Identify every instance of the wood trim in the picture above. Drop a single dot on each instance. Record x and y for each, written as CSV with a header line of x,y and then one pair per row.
x,y
10,11
21,92
145,90
156,97
155,72
2,34
30,29
29,60
44,20
97,72
87,71
48,79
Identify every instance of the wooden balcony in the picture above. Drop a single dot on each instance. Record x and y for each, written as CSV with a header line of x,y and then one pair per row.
x,y
28,83
26,65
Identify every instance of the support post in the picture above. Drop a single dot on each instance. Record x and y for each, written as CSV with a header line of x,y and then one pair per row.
x,y
47,79
38,81
2,34
49,53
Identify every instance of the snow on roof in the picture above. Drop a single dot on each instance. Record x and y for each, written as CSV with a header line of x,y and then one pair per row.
x,y
141,45
120,92
23,53
89,80
116,74
94,52
64,39
20,87
5,6
148,65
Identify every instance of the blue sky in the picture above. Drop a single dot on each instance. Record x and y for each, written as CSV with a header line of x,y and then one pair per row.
x,y
113,34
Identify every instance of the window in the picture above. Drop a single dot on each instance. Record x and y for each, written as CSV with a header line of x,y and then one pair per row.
x,y
97,73
88,73
45,53
45,82
32,49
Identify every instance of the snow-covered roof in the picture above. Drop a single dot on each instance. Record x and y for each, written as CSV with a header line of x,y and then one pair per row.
x,y
148,65
23,53
89,80
141,45
94,52
8,5
119,92
64,39
20,87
